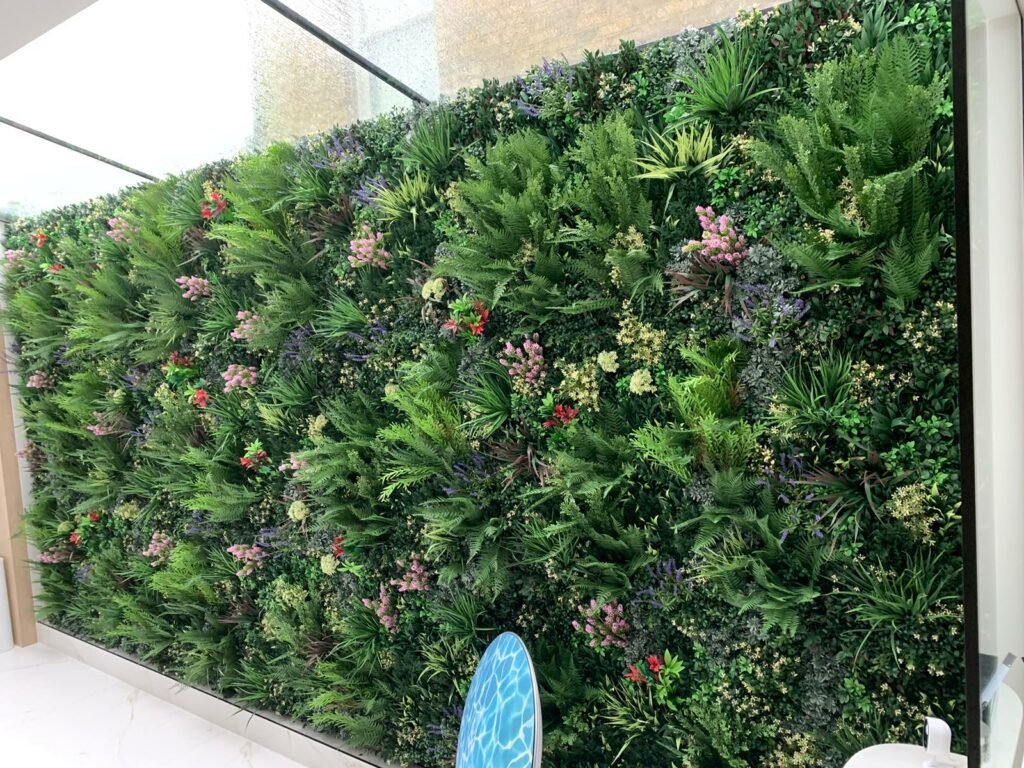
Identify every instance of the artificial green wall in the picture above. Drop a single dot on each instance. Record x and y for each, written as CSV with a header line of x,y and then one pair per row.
x,y
314,425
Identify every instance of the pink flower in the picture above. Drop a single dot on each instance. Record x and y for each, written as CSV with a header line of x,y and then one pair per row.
x,y
720,244
603,624
250,558
367,250
101,428
415,578
195,288
525,365
120,230
160,546
239,377
39,380
293,465
384,607
247,325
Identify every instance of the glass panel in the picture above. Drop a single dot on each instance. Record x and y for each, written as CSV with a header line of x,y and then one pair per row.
x,y
398,36
439,46
479,39
38,175
168,86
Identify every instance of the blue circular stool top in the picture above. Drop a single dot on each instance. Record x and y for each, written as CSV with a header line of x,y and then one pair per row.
x,y
501,724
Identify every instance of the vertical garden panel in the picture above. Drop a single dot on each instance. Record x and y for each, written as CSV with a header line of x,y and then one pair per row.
x,y
650,359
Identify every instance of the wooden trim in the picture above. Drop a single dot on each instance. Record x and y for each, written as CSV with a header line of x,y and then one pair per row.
x,y
13,545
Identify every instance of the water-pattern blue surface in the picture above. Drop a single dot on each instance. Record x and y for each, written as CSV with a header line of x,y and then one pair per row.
x,y
501,722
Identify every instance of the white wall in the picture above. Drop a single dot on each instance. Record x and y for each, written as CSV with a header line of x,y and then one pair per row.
x,y
995,146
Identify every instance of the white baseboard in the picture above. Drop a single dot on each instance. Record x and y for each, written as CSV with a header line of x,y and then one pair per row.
x,y
293,740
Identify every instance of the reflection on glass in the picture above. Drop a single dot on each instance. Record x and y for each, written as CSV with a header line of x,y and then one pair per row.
x,y
398,36
38,175
165,87
479,39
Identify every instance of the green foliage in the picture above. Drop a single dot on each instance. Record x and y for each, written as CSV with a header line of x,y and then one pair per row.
x,y
857,162
407,198
725,87
431,146
814,398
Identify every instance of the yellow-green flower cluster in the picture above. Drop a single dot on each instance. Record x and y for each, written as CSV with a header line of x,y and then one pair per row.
x,y
315,427
867,379
298,511
927,331
642,382
579,384
911,506
608,361
630,240
127,511
289,595
644,342
433,290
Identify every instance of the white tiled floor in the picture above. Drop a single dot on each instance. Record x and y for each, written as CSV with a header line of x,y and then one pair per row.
x,y
55,711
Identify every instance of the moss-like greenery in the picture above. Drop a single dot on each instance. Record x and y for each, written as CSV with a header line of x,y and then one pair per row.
x,y
314,425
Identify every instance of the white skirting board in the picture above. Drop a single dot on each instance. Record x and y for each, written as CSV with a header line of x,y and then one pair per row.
x,y
304,746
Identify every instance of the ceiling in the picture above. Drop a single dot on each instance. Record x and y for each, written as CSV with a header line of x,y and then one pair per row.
x,y
22,22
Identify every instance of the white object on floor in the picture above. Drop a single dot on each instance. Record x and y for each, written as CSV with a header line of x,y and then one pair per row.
x,y
6,630
56,711
939,738
901,756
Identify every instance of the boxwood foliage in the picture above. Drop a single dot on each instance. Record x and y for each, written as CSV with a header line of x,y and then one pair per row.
x,y
312,426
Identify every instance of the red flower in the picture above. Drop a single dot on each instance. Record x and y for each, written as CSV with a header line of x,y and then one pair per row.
x,y
207,211
40,237
655,663
74,538
477,328
55,267
200,398
635,675
451,325
179,359
563,416
336,547
94,516
254,461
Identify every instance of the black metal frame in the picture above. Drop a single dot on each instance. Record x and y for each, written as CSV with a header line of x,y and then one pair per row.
x,y
74,148
961,197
